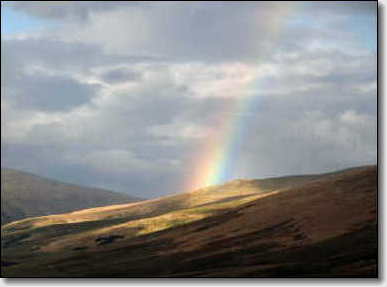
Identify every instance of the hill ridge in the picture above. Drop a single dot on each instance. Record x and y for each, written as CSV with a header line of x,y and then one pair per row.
x,y
25,194
319,228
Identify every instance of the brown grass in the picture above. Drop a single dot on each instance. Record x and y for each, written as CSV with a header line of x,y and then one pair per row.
x,y
320,228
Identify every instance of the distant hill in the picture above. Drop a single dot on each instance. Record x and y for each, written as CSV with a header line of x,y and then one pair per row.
x,y
301,226
27,195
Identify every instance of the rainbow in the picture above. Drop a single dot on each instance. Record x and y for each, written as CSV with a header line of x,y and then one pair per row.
x,y
216,159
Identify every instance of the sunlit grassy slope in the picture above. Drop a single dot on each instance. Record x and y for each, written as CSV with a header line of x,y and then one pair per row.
x,y
296,226
25,195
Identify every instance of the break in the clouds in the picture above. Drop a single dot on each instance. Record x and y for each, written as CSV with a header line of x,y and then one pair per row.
x,y
127,95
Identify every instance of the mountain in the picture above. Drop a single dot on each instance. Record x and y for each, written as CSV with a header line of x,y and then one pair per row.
x,y
27,195
303,226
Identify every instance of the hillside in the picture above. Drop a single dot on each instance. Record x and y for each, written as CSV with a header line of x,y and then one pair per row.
x,y
313,226
27,195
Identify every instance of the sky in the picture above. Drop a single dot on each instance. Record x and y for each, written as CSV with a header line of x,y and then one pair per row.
x,y
154,98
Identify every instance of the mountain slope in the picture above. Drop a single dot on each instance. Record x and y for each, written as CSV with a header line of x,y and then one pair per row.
x,y
233,192
321,227
26,195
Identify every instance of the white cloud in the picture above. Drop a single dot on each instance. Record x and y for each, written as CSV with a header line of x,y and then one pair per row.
x,y
125,97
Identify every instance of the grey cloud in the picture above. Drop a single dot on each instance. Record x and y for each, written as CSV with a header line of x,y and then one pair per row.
x,y
123,122
54,92
129,139
347,8
311,132
223,31
213,31
52,164
62,9
65,9
315,142
51,93
121,75
61,54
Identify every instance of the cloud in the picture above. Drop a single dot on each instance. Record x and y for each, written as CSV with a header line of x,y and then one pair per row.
x,y
130,108
121,75
61,55
51,93
223,31
68,9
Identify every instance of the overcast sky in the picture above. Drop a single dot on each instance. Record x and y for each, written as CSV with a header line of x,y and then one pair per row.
x,y
124,95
